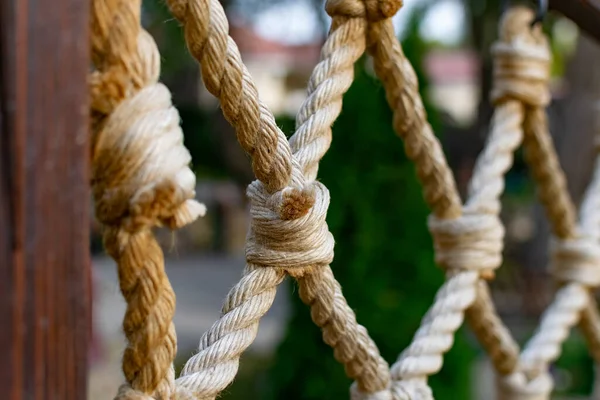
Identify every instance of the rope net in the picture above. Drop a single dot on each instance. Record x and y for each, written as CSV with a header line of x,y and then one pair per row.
x,y
141,179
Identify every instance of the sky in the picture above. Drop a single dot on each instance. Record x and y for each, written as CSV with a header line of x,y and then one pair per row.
x,y
296,22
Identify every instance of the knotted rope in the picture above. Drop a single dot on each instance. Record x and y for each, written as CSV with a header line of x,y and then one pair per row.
x,y
288,233
468,241
576,255
140,179
575,263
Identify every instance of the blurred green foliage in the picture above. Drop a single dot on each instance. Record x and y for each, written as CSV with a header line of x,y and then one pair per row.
x,y
383,254
574,370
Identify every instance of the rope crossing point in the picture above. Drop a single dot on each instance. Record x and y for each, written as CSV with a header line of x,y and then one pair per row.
x,y
141,179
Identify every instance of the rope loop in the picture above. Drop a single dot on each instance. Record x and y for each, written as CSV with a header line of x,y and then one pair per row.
x,y
521,61
576,260
288,228
473,241
372,10
517,386
140,169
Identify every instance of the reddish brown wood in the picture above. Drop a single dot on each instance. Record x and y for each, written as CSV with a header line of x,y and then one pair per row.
x,y
44,199
585,13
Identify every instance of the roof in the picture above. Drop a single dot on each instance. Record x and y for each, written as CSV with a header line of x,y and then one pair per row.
x,y
252,45
451,66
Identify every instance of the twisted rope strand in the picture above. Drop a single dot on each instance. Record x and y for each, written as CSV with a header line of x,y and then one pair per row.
x,y
352,345
549,176
140,179
424,356
214,367
576,259
491,332
485,189
590,326
410,122
147,324
226,77
578,272
330,79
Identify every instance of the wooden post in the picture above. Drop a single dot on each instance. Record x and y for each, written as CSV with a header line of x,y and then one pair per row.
x,y
44,200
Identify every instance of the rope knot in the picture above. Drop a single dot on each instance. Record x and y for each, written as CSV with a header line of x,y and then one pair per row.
x,y
473,241
140,172
517,386
288,228
372,10
576,260
126,392
521,60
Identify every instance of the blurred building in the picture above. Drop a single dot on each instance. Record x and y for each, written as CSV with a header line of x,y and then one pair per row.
x,y
280,71
454,83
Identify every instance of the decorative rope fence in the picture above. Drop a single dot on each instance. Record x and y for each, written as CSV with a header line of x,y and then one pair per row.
x,y
141,179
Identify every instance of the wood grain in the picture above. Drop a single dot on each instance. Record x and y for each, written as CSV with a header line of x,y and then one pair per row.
x,y
45,302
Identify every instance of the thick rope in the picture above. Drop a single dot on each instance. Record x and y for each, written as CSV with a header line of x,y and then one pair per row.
x,y
473,240
214,367
549,177
282,237
285,212
576,264
410,121
226,77
140,179
288,233
330,79
576,253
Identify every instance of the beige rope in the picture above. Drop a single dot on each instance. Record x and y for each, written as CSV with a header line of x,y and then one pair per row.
x,y
206,31
549,177
576,259
330,79
473,240
575,262
423,148
141,179
410,122
226,77
288,230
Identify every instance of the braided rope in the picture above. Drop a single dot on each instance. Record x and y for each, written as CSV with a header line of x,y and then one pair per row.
x,y
140,179
466,244
226,77
576,265
288,233
288,230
